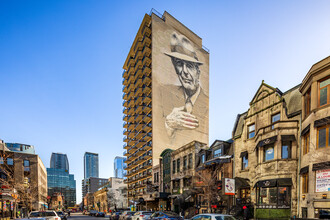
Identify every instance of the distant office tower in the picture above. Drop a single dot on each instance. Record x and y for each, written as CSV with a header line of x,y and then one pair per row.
x,y
24,148
166,96
91,165
119,167
59,179
59,161
92,184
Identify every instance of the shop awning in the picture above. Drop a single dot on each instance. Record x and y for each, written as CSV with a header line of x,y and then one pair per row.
x,y
266,183
304,170
267,141
218,160
284,182
321,166
241,183
288,138
243,154
305,130
274,182
321,122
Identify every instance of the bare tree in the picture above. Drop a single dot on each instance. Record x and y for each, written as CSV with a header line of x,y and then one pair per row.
x,y
20,187
208,180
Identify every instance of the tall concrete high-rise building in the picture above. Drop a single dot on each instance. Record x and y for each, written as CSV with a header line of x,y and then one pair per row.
x,y
91,165
59,161
166,96
119,167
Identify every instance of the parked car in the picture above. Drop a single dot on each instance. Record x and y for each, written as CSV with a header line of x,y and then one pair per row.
x,y
165,215
115,216
213,217
141,215
62,215
92,212
126,215
100,214
49,214
85,212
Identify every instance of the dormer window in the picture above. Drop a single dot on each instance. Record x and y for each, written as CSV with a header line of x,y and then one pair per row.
x,y
217,152
203,158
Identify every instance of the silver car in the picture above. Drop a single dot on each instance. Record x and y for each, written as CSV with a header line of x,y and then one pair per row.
x,y
49,214
141,215
209,216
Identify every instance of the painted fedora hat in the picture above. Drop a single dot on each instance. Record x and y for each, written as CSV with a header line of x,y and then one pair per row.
x,y
182,48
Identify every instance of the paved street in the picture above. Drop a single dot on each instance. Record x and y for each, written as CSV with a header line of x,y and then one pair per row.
x,y
79,215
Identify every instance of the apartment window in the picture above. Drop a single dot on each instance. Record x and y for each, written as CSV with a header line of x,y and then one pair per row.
x,y
173,166
324,90
323,136
178,165
275,118
269,153
184,162
1,160
251,131
245,161
26,164
10,161
306,143
286,149
189,161
304,181
307,102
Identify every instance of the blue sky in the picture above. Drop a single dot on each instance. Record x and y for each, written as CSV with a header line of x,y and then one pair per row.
x,y
61,65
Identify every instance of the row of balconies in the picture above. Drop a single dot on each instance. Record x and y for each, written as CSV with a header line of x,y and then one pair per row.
x,y
145,156
137,161
134,101
137,119
139,177
144,90
135,63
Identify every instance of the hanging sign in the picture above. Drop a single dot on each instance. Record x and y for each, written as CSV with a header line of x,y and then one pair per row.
x,y
229,186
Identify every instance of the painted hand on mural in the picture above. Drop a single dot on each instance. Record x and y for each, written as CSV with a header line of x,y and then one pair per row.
x,y
186,65
179,118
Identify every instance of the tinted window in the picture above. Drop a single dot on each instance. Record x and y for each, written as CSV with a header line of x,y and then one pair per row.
x,y
171,214
49,214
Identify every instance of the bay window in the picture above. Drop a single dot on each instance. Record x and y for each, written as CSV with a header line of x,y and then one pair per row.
x,y
269,153
324,90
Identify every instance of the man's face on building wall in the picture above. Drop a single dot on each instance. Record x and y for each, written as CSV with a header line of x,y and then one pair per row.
x,y
188,73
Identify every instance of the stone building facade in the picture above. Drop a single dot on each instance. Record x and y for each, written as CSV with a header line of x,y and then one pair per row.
x,y
26,174
266,148
314,170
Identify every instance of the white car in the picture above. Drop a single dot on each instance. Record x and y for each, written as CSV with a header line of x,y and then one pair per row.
x,y
209,216
142,215
49,214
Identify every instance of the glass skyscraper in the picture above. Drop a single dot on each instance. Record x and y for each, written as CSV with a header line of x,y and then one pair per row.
x,y
119,167
59,161
60,181
91,165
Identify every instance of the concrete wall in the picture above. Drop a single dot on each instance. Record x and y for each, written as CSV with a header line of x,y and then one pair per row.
x,y
167,91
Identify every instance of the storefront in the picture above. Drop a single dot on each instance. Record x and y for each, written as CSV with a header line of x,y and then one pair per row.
x,y
273,198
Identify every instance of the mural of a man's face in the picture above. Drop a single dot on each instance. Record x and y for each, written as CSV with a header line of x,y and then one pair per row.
x,y
188,73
